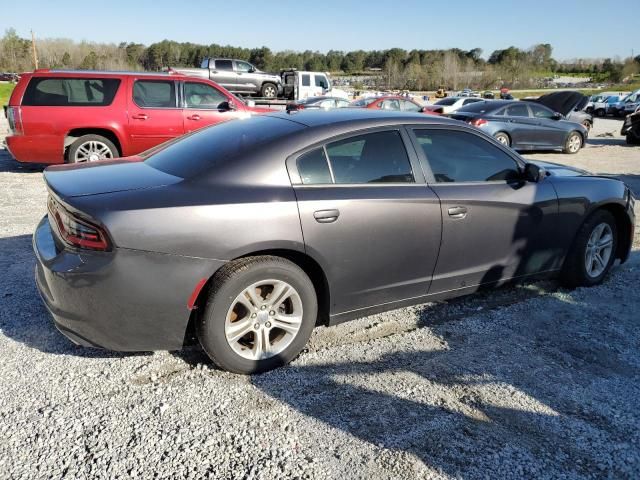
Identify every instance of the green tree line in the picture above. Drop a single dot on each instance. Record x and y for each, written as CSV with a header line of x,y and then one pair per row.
x,y
397,68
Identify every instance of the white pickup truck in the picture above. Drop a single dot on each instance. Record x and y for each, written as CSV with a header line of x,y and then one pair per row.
x,y
298,85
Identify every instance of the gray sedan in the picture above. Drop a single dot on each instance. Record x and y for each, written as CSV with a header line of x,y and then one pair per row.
x,y
524,125
250,233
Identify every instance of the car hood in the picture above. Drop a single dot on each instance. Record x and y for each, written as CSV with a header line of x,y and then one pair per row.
x,y
105,176
563,102
558,170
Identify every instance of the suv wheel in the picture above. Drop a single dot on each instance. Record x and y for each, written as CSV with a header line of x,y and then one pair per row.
x,y
91,148
269,90
259,314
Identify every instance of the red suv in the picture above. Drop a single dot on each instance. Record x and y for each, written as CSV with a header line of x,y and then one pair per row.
x,y
79,116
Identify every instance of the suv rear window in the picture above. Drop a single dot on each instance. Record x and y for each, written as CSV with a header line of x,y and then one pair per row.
x,y
70,92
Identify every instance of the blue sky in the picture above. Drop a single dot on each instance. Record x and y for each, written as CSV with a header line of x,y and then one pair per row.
x,y
575,28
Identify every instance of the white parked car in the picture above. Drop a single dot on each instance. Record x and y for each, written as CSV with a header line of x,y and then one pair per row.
x,y
451,104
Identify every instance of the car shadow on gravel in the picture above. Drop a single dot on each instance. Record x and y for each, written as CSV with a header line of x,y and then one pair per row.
x,y
9,165
23,316
498,396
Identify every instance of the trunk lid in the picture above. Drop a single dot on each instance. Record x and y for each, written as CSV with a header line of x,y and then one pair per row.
x,y
111,176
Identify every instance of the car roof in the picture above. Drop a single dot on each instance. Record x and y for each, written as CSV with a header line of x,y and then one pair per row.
x,y
103,73
363,116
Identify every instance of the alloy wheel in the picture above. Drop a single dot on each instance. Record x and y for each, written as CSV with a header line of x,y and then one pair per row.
x,y
263,319
92,151
574,143
599,250
269,91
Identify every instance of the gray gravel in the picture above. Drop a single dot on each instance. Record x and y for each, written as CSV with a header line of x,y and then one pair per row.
x,y
529,381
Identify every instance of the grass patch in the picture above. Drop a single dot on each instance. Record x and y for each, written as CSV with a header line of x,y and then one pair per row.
x,y
5,92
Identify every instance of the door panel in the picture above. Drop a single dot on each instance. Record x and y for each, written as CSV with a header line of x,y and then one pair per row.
x,y
381,247
506,231
152,119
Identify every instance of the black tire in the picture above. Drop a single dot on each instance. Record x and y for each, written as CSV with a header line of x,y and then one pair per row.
x,y
269,90
503,138
570,143
600,112
574,271
632,139
227,284
86,139
589,109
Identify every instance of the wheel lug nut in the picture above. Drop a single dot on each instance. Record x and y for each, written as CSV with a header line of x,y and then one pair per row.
x,y
254,315
268,324
272,313
263,307
256,326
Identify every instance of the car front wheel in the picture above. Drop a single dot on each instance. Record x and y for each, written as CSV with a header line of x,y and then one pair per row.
x,y
593,251
259,314
269,90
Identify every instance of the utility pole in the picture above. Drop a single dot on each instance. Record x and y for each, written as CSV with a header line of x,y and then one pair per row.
x,y
35,53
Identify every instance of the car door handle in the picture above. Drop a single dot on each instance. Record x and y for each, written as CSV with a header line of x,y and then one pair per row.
x,y
140,116
457,212
194,117
326,216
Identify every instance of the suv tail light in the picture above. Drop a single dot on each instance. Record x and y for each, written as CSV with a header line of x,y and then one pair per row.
x,y
75,231
15,120
478,122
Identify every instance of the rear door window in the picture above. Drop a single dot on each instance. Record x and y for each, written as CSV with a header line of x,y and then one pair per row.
x,y
70,92
154,93
226,65
378,157
517,110
313,167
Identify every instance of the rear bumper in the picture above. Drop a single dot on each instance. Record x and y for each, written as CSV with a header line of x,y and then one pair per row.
x,y
125,300
26,149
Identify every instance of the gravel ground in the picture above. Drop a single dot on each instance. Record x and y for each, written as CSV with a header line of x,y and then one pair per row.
x,y
528,381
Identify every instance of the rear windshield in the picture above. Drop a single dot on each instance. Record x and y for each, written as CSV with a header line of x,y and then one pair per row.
x,y
70,92
446,101
480,107
196,153
363,102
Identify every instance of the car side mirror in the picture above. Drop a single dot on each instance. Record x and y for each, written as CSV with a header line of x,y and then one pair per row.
x,y
228,105
534,173
557,116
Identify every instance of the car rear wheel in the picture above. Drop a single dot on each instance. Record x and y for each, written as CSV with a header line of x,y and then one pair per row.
x,y
503,138
632,139
259,314
269,90
600,112
587,124
573,143
91,148
593,251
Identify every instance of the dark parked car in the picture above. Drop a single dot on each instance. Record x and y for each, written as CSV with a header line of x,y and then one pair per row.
x,y
631,128
324,103
570,104
254,231
524,125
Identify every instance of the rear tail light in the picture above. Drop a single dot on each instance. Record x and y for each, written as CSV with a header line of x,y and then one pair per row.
x,y
75,231
15,120
478,122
